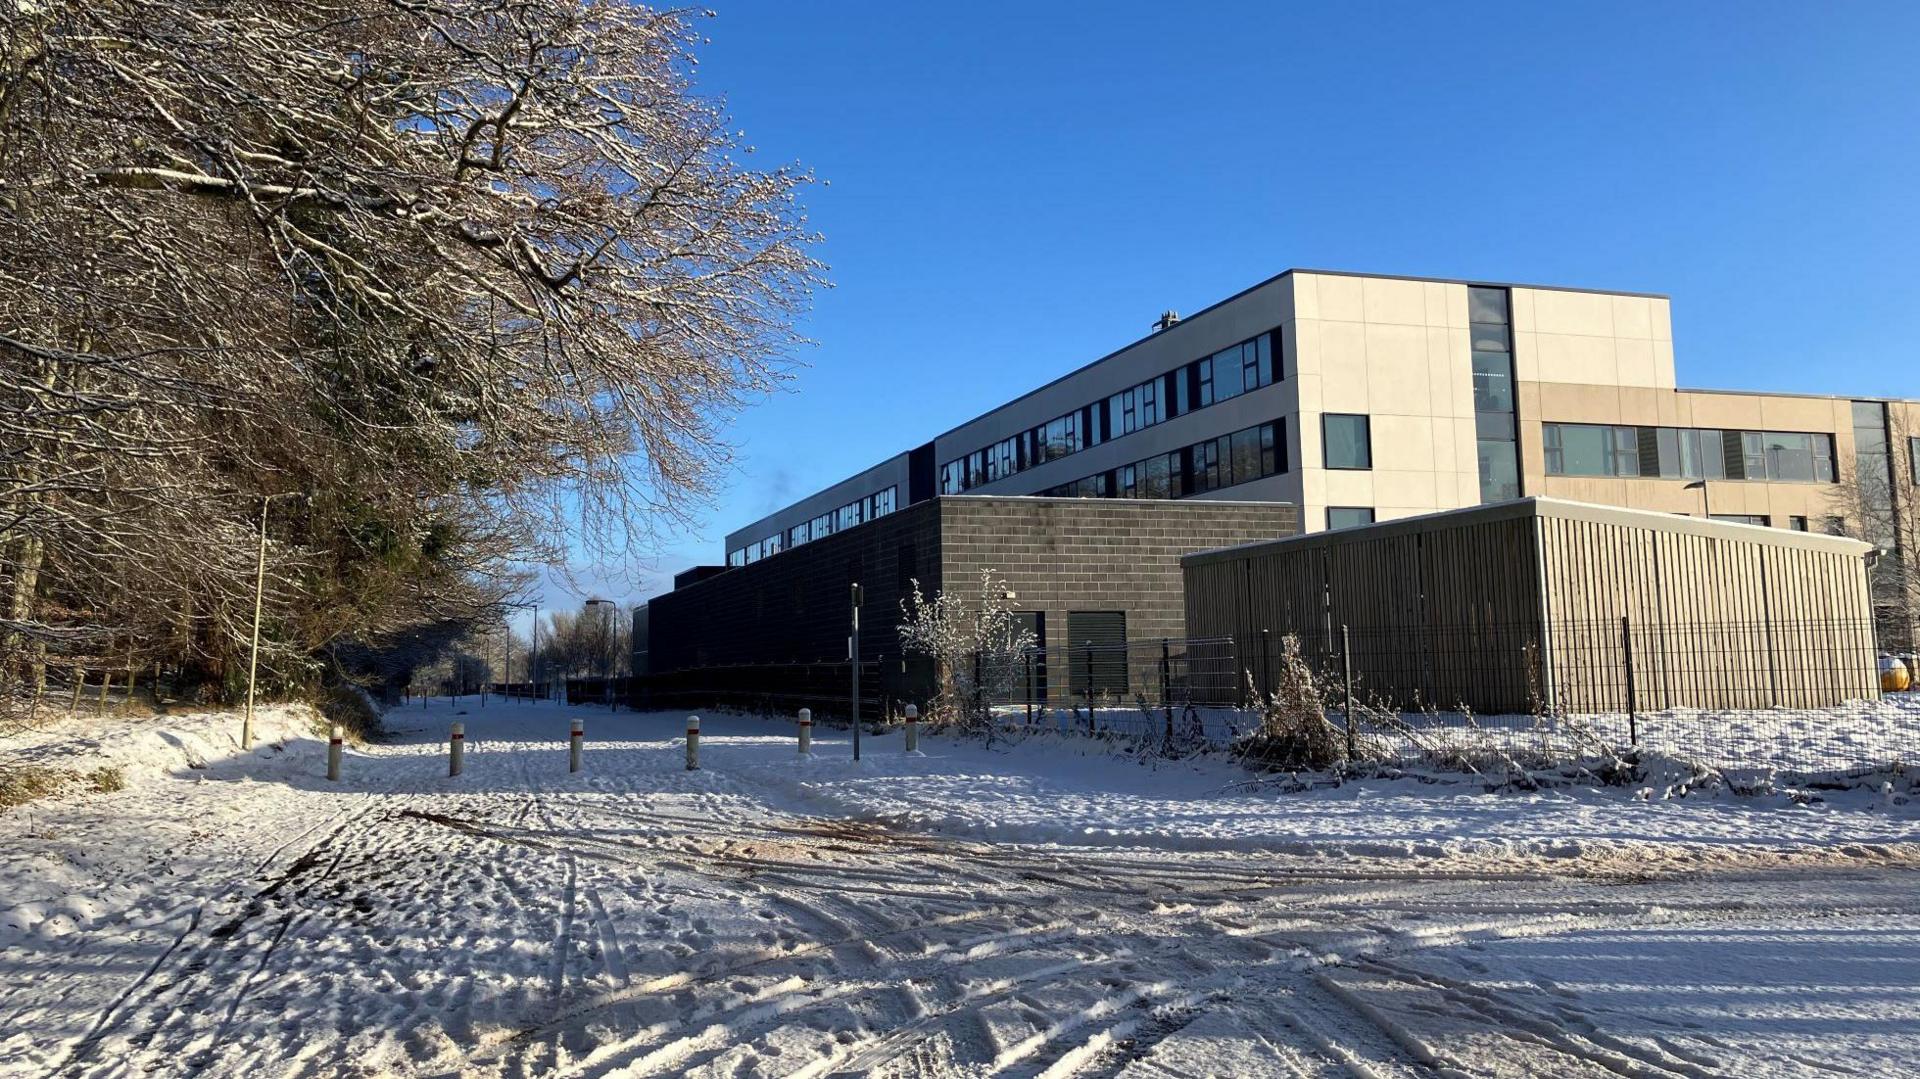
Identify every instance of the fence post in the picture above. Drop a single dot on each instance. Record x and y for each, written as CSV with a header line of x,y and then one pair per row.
x,y
913,731
1166,686
979,689
456,748
693,742
1346,677
806,732
1029,687
576,743
1266,663
1633,700
334,738
79,683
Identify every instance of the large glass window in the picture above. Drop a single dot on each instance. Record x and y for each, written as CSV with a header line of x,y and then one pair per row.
x,y
1582,449
1493,404
1346,440
1499,471
1339,517
1913,461
1492,382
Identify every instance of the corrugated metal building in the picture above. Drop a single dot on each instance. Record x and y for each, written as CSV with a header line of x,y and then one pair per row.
x,y
1505,607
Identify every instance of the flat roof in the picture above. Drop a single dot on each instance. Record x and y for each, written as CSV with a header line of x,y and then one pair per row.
x,y
1537,506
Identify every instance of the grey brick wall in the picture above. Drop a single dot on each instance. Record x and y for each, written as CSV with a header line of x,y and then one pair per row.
x,y
1097,554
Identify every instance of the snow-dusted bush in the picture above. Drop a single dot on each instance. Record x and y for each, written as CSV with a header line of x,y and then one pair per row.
x,y
951,633
1294,731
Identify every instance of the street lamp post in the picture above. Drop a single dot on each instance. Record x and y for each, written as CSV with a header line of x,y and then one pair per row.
x,y
853,655
1706,513
259,595
606,648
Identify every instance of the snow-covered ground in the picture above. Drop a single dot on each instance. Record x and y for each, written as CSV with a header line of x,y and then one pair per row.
x,y
1036,909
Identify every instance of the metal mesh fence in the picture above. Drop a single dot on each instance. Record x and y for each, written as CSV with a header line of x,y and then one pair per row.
x,y
1803,698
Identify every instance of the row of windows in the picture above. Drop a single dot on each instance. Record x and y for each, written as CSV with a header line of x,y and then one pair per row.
x,y
1579,449
1834,526
1239,457
1226,374
860,509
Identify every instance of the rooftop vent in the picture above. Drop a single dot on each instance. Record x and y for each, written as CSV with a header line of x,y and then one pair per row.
x,y
1167,319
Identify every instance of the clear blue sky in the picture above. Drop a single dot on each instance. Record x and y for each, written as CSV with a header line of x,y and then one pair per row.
x,y
1017,190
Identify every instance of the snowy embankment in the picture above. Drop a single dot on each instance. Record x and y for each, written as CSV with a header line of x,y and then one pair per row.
x,y
152,746
52,895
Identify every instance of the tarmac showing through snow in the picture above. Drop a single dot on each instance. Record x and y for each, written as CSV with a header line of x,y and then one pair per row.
x,y
1032,912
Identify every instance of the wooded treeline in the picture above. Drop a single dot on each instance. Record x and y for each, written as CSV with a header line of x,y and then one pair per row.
x,y
444,287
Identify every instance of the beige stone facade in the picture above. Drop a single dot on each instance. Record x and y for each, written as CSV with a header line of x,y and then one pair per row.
x,y
1398,351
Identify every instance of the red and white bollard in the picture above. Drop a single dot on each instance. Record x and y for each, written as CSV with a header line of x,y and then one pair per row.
x,y
456,749
334,738
693,743
806,732
913,732
576,741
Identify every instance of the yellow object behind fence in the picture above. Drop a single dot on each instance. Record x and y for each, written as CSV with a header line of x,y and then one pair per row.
x,y
1894,676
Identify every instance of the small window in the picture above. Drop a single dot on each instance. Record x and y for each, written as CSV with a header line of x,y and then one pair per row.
x,y
1836,526
1348,442
1798,524
1339,517
1760,519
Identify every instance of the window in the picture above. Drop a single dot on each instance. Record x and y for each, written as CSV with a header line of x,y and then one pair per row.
x,y
1493,405
1760,519
1680,452
953,478
1836,526
1487,306
1346,441
1492,382
1339,517
1581,449
1499,471
737,558
1798,524
1913,460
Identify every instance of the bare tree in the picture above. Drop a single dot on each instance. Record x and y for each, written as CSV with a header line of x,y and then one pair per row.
x,y
479,278
1875,502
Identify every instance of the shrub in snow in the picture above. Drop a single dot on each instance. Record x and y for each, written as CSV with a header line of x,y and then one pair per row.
x,y
1294,730
976,649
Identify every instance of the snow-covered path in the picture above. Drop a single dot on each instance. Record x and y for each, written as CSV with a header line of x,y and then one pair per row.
x,y
1031,913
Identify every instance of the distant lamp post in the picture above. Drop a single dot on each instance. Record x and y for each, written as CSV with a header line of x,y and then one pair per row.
x,y
1705,512
606,649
